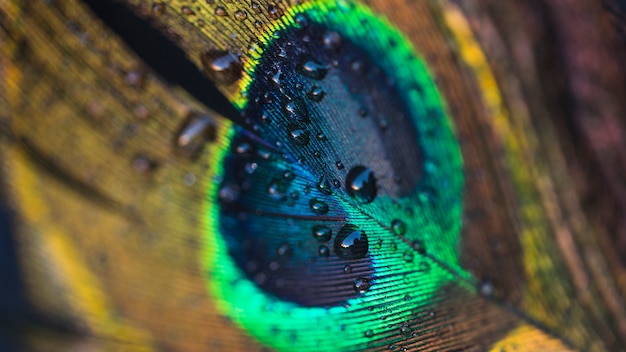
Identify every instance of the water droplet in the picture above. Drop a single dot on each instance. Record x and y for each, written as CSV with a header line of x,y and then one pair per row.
x,y
361,184
284,250
332,40
143,165
324,186
251,167
351,243
187,11
274,12
419,246
369,333
316,94
347,269
321,137
277,189
357,66
229,192
398,227
312,69
361,285
244,148
223,67
299,135
141,112
296,110
220,11
362,112
135,78
193,135
339,165
158,9
486,288
289,175
318,207
301,20
336,183
408,256
322,233
255,6
404,328
317,154
241,15
258,24
323,251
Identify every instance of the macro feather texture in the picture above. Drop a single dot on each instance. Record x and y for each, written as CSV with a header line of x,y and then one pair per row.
x,y
385,175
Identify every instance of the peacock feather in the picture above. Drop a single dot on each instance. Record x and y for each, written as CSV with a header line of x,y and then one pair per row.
x,y
434,175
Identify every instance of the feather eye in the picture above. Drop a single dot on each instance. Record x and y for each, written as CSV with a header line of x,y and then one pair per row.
x,y
389,178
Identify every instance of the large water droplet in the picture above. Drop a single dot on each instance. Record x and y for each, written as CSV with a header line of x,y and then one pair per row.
x,y
312,69
361,285
322,233
369,333
223,67
351,243
318,207
299,135
361,184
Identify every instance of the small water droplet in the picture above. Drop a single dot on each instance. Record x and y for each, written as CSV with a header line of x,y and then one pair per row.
x,y
244,148
241,15
361,285
229,192
321,137
398,227
274,12
408,256
251,167
347,269
419,246
336,183
362,112
351,242
312,69
486,288
187,11
258,24
361,184
277,189
301,20
223,67
316,94
323,251
332,40
284,250
288,175
255,6
135,78
369,333
339,165
322,233
324,186
143,165
193,135
357,66
299,135
296,110
318,207
220,11
158,9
